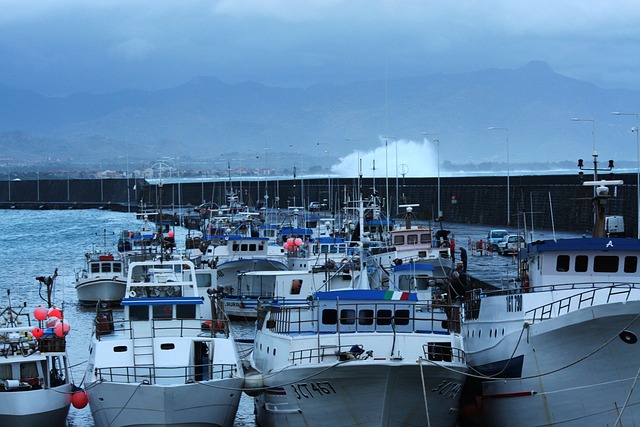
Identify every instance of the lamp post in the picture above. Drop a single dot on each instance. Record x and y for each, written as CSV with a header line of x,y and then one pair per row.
x,y
635,130
397,189
437,141
506,130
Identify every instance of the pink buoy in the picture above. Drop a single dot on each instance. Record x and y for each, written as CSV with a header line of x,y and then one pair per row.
x,y
37,333
51,323
62,329
290,240
79,399
40,313
298,242
171,234
55,312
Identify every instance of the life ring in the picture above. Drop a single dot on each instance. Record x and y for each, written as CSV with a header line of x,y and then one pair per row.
x,y
344,260
133,294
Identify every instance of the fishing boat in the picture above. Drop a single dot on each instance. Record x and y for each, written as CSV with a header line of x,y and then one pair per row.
x,y
559,345
102,279
374,357
35,383
168,361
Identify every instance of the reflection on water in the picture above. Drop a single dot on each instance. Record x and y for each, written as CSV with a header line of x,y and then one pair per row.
x,y
35,243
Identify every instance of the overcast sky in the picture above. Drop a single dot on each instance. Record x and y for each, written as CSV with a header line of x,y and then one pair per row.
x,y
58,47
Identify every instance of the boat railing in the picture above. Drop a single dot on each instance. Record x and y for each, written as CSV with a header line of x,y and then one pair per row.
x,y
386,316
161,327
443,352
331,351
167,374
588,298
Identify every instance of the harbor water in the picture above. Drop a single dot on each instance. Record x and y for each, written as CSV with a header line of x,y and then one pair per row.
x,y
36,243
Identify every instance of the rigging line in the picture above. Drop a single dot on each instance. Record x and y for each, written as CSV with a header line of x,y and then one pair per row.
x,y
127,402
424,393
618,421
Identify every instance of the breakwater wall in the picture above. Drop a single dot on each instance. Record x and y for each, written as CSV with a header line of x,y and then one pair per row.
x,y
550,200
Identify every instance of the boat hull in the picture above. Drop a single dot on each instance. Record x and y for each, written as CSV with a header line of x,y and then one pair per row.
x,y
109,290
579,370
204,404
35,408
360,394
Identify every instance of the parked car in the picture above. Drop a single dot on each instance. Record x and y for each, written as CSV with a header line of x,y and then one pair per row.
x,y
496,236
510,244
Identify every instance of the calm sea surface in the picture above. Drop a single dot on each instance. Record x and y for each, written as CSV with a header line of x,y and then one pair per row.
x,y
35,243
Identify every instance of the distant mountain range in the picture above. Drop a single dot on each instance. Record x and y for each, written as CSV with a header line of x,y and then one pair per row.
x,y
208,120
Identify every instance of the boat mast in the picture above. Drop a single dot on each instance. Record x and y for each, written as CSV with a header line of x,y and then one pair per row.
x,y
601,194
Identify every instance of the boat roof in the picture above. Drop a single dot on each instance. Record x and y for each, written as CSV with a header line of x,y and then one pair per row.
x,y
584,244
367,295
413,267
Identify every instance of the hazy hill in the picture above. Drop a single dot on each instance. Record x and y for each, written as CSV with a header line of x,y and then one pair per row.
x,y
205,118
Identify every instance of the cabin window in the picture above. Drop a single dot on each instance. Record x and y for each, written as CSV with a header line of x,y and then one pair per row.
x,y
235,247
117,268
296,285
582,263
398,240
28,370
95,268
106,267
402,317
5,372
139,312
562,263
203,280
167,346
384,317
412,239
365,317
120,349
347,317
329,316
605,264
186,311
425,238
630,264
164,311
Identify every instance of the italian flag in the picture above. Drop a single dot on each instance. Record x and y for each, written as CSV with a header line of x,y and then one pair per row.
x,y
396,295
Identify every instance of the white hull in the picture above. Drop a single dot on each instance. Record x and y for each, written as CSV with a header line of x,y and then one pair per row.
x,y
360,394
92,290
35,408
591,371
208,403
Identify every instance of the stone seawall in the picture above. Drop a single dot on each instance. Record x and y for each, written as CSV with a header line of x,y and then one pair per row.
x,y
559,200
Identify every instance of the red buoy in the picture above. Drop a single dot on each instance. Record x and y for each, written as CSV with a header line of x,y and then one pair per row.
x,y
40,313
79,399
62,329
55,312
37,333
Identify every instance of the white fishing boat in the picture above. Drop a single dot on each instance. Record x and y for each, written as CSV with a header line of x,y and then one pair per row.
x,y
358,357
559,346
373,358
102,279
35,383
167,362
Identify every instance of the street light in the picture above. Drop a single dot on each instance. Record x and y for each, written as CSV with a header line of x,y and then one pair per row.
x,y
437,141
635,130
508,185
